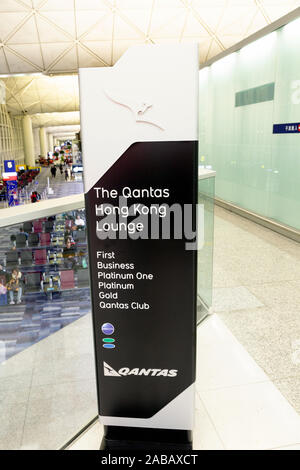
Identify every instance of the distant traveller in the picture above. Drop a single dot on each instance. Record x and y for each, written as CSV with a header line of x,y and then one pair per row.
x,y
15,285
53,171
35,197
79,222
69,254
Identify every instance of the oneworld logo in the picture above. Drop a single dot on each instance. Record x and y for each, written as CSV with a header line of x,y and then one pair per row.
x,y
125,371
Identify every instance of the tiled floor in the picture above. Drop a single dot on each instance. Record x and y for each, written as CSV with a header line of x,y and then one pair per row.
x,y
47,391
265,267
237,405
60,187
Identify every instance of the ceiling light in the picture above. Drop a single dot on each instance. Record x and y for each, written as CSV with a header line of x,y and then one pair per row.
x,y
29,74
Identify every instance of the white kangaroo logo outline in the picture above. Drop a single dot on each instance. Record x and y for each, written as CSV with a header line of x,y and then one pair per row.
x,y
137,108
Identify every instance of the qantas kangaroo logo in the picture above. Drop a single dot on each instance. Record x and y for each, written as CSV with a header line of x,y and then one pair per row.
x,y
138,107
109,371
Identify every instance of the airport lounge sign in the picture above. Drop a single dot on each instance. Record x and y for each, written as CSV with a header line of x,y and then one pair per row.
x,y
140,147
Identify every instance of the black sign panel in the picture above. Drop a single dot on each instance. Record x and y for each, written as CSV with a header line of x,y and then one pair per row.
x,y
143,290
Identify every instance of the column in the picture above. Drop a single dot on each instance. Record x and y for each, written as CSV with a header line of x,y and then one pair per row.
x,y
28,141
50,143
36,142
43,143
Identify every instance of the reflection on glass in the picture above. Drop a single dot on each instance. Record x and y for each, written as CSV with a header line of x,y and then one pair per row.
x,y
256,169
206,190
47,382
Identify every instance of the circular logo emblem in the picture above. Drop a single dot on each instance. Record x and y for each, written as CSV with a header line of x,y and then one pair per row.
x,y
107,328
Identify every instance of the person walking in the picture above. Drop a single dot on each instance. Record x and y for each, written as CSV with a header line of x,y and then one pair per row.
x,y
33,197
53,171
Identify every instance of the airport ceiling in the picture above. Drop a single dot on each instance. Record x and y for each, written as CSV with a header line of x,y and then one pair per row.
x,y
49,37
62,35
55,119
57,130
41,94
